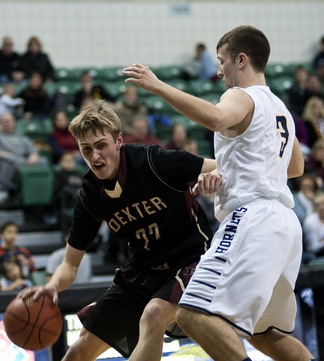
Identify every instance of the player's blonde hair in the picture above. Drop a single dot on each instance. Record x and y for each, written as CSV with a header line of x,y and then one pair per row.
x,y
96,117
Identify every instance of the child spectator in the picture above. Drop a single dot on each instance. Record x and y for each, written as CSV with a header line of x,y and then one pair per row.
x,y
37,101
9,103
67,182
90,92
12,276
9,249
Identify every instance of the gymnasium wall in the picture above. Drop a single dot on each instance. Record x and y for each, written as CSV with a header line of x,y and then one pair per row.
x,y
105,33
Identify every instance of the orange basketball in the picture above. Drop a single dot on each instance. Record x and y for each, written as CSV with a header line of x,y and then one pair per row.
x,y
33,325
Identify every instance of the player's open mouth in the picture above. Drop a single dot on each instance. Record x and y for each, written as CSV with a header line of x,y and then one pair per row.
x,y
98,165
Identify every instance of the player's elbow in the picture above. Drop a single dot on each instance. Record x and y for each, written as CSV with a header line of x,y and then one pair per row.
x,y
296,171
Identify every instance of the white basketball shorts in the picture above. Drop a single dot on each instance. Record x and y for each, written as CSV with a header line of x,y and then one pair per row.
x,y
248,275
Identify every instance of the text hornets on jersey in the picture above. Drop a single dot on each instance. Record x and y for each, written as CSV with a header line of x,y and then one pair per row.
x,y
230,230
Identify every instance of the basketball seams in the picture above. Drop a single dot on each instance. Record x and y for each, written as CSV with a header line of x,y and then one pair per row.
x,y
33,325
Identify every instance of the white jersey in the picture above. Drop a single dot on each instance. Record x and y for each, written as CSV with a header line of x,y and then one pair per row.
x,y
256,166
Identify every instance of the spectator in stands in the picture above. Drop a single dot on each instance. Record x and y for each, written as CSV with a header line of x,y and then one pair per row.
x,y
34,59
314,227
178,139
314,163
129,107
9,249
37,101
306,186
319,56
298,93
12,276
67,181
314,87
9,103
90,92
191,146
313,116
16,150
60,139
201,66
140,132
10,69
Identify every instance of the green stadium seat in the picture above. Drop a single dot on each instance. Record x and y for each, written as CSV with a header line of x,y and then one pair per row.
x,y
116,89
36,185
201,87
168,72
34,129
111,74
274,70
280,85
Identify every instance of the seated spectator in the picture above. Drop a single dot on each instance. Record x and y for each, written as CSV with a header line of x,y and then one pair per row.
x,y
314,87
319,56
314,227
37,101
12,276
67,182
178,139
35,60
9,249
306,187
16,150
129,107
60,139
9,103
314,163
90,92
313,117
201,66
298,93
140,132
10,69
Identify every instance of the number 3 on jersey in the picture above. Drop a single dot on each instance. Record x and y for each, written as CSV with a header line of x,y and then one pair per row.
x,y
284,133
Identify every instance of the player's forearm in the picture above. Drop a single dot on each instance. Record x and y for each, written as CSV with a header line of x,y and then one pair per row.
x,y
198,110
63,277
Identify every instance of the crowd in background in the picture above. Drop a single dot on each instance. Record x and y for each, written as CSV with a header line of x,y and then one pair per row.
x,y
25,98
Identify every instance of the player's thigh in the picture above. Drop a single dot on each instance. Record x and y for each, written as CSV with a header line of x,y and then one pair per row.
x,y
87,348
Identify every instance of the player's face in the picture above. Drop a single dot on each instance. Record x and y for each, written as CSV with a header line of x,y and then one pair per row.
x,y
227,69
102,154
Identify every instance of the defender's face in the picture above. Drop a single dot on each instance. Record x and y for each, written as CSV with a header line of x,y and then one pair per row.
x,y
227,69
101,153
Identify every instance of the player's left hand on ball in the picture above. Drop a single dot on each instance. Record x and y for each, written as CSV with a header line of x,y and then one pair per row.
x,y
208,183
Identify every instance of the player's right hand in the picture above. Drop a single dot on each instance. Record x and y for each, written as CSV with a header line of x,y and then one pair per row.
x,y
36,291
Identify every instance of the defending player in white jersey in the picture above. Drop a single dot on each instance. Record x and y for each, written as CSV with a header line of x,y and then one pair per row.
x,y
244,284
